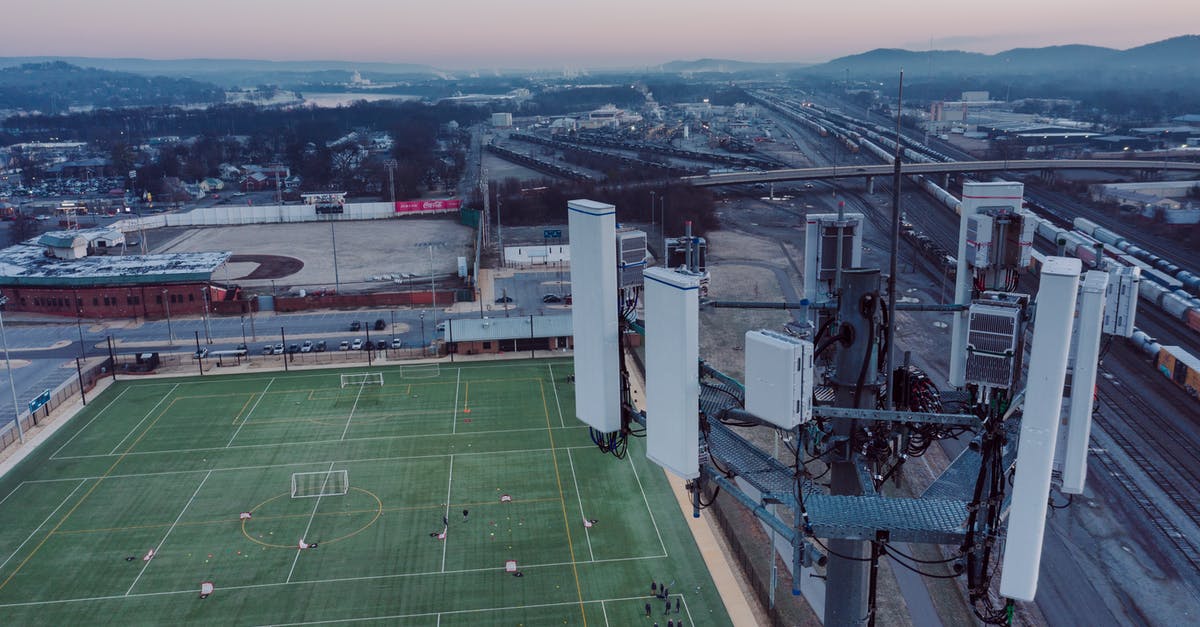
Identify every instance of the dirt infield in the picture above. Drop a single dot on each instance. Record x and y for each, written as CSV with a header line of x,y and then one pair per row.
x,y
269,266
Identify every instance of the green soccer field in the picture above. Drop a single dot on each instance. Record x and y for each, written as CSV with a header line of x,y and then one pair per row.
x,y
368,473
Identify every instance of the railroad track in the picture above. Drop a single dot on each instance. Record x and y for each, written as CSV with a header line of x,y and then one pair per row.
x,y
1173,449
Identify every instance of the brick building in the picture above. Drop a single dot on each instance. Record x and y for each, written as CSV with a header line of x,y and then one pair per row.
x,y
66,273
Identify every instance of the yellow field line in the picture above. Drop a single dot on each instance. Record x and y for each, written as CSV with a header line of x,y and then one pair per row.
x,y
563,501
88,493
243,409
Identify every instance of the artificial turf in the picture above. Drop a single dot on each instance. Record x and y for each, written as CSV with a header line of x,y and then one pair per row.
x,y
170,464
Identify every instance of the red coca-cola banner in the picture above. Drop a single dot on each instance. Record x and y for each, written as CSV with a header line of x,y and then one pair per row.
x,y
427,206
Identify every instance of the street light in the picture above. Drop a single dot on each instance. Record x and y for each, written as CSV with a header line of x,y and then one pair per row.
x,y
423,345
12,384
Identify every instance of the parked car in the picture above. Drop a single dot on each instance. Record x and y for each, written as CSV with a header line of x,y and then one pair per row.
x,y
267,350
356,326
320,347
306,347
380,324
356,344
240,347
551,298
381,345
278,349
344,346
293,348
200,353
504,299
397,343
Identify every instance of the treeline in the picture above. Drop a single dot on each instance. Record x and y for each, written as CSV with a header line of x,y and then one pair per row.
x,y
675,91
313,123
563,101
56,87
525,202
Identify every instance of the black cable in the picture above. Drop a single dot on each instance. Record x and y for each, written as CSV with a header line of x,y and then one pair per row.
x,y
862,374
915,570
818,542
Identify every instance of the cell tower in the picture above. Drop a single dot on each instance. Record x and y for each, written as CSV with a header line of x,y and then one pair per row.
x,y
824,388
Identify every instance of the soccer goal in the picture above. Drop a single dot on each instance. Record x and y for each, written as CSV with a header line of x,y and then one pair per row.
x,y
314,484
420,371
362,378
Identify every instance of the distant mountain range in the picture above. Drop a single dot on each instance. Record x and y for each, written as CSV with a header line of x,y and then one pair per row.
x,y
243,72
1175,57
726,66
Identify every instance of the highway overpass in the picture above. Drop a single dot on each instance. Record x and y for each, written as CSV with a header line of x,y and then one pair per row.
x,y
850,171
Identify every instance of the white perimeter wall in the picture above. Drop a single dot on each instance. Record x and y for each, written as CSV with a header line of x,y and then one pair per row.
x,y
223,215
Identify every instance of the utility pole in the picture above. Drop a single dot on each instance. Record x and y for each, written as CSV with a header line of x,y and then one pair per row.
x,y
337,284
12,384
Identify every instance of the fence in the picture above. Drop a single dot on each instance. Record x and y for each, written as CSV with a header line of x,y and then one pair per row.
x,y
66,392
749,545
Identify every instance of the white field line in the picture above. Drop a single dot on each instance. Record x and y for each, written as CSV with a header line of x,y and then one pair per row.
x,y
223,380
168,534
304,535
135,427
351,416
246,418
310,442
472,611
687,610
446,515
255,586
14,490
554,386
604,611
54,455
579,496
647,502
286,465
39,527
454,417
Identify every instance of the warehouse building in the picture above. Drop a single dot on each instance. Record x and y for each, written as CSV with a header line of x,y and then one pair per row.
x,y
475,336
67,273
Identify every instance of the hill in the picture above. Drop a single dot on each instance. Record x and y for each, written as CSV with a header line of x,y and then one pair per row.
x,y
55,86
1159,62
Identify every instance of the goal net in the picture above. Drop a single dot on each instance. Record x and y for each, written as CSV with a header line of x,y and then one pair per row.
x,y
362,378
315,484
420,371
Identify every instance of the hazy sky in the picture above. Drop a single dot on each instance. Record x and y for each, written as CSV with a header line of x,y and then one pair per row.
x,y
571,33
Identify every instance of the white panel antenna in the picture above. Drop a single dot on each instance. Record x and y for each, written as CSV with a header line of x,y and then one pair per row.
x,y
1039,427
979,241
673,370
820,249
1121,299
1083,380
594,314
779,378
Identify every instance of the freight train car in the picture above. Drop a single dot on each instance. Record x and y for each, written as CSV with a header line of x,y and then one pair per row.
x,y
1180,367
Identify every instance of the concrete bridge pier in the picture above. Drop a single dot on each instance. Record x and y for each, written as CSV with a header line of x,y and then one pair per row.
x,y
870,185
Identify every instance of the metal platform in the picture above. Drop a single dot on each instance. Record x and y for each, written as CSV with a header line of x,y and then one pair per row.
x,y
923,520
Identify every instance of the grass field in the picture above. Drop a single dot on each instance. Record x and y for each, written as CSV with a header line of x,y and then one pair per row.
x,y
169,465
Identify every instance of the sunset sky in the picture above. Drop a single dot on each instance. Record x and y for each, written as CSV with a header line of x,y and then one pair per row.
x,y
456,34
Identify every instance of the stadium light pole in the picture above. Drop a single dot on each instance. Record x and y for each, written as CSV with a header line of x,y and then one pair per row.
x,y
167,304
423,345
207,334
433,293
12,383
